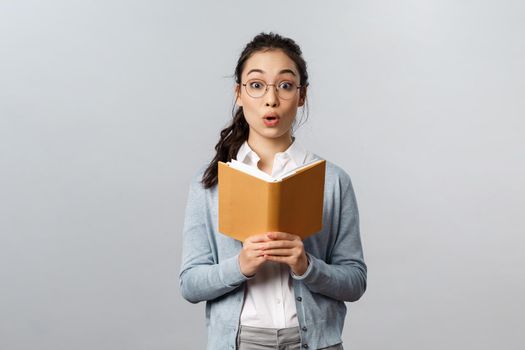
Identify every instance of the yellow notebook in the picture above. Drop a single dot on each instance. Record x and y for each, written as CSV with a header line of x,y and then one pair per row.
x,y
249,204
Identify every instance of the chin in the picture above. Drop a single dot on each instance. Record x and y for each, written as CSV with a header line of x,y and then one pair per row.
x,y
269,133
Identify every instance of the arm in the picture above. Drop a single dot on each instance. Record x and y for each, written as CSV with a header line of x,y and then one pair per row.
x,y
344,278
201,277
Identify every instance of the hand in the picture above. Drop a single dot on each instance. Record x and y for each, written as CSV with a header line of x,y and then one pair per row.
x,y
286,248
252,256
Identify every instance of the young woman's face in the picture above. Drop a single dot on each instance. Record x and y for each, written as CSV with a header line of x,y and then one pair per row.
x,y
270,67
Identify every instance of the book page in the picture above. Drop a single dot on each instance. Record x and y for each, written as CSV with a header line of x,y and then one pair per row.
x,y
251,170
264,176
293,171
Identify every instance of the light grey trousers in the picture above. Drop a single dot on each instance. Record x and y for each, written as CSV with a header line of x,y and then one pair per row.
x,y
254,338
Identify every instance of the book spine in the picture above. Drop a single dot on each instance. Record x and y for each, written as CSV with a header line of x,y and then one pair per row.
x,y
274,206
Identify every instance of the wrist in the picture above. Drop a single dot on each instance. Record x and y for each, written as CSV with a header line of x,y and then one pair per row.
x,y
301,268
242,265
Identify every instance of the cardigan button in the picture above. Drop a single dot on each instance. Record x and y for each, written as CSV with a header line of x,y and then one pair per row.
x,y
299,299
304,329
305,346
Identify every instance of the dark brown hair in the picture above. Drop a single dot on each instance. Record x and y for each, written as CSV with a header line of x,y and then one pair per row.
x,y
233,136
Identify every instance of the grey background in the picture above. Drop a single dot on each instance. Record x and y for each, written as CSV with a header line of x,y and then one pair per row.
x,y
107,108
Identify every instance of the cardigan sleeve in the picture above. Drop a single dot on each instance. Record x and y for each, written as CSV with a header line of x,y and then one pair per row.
x,y
201,277
344,278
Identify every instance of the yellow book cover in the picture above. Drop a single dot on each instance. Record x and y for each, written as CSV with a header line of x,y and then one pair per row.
x,y
255,203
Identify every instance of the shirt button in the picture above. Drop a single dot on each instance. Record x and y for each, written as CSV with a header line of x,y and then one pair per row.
x,y
304,329
299,299
305,346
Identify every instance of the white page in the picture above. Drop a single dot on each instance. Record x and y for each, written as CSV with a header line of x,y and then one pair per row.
x,y
293,171
250,170
261,174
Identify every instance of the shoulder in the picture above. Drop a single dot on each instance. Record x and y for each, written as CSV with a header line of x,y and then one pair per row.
x,y
197,175
196,178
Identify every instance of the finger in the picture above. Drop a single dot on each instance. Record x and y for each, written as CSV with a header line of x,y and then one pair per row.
x,y
277,258
254,253
257,254
279,252
257,246
254,247
281,235
257,238
279,244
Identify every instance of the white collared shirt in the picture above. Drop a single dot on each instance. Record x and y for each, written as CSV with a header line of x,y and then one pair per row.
x,y
269,301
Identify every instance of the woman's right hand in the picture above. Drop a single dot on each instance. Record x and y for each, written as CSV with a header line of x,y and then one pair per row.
x,y
252,255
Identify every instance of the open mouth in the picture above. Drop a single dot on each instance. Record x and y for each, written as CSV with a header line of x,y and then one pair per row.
x,y
271,120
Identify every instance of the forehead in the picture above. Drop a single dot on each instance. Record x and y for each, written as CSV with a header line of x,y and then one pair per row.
x,y
271,63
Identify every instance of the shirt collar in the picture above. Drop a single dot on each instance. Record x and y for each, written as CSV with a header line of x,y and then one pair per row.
x,y
246,154
296,152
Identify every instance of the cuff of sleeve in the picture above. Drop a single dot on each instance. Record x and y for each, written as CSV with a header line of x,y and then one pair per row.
x,y
307,272
230,272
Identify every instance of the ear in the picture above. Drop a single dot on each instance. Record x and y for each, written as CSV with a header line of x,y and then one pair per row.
x,y
302,96
237,92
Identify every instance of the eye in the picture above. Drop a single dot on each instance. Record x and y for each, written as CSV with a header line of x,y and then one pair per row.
x,y
256,85
286,85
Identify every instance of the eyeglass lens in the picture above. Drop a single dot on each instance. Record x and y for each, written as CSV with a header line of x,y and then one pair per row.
x,y
258,88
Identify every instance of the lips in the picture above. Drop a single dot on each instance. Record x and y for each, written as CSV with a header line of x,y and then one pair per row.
x,y
271,119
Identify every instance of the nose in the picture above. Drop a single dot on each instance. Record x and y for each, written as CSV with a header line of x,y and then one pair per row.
x,y
271,98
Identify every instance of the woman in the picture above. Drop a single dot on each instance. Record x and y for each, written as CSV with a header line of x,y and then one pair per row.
x,y
274,291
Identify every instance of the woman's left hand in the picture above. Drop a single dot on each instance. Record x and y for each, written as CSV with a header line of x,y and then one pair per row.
x,y
286,248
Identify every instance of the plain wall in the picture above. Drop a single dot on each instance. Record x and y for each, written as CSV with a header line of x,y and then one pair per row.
x,y
108,108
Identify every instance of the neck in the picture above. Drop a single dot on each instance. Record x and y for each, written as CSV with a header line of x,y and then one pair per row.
x,y
266,148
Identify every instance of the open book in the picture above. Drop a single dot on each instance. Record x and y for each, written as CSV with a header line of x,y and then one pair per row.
x,y
253,202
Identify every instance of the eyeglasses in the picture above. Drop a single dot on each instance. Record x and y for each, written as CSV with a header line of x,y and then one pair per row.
x,y
258,88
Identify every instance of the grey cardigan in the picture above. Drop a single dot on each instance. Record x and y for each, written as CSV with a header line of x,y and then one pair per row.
x,y
337,273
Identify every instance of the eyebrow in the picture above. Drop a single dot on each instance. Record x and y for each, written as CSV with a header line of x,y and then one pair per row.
x,y
283,71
